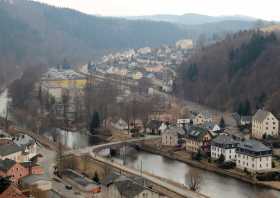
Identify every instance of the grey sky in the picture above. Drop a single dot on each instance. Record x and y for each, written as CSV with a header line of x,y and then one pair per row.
x,y
265,9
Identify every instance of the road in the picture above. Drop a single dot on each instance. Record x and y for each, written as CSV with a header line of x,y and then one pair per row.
x,y
58,186
176,189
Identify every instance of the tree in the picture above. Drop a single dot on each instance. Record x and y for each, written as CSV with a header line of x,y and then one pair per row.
x,y
96,177
192,72
95,122
59,155
222,123
195,179
247,108
221,159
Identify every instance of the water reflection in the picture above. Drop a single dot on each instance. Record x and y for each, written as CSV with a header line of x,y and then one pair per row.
x,y
213,185
74,140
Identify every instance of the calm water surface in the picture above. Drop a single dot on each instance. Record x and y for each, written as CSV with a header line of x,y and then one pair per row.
x,y
213,185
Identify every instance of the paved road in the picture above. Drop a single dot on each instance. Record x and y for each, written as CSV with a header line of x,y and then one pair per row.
x,y
48,162
180,191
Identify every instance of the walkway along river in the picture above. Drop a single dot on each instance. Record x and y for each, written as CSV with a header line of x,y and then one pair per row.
x,y
213,185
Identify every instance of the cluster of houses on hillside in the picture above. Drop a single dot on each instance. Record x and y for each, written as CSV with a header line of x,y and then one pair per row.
x,y
251,153
150,63
18,156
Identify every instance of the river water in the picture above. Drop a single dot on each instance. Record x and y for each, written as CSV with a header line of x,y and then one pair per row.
x,y
213,185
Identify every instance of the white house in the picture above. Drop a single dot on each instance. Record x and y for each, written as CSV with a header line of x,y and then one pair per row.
x,y
28,144
119,124
182,122
170,137
253,156
264,123
224,145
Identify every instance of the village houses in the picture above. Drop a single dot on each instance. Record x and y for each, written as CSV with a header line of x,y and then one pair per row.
x,y
201,118
224,145
264,123
170,137
198,139
253,156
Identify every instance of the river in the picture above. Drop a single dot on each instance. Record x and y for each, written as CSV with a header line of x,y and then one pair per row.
x,y
213,185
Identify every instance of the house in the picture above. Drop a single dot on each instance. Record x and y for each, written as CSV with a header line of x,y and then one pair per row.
x,y
224,145
245,120
9,190
36,186
183,122
119,124
12,169
198,139
253,156
170,137
137,75
153,126
12,152
264,123
242,120
28,144
131,188
201,118
210,126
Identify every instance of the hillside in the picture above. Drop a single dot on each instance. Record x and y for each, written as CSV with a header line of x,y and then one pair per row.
x,y
33,33
243,67
194,19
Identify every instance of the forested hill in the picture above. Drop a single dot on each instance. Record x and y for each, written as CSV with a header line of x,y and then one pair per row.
x,y
32,32
243,68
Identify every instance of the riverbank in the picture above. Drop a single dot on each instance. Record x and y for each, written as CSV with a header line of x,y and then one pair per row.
x,y
185,157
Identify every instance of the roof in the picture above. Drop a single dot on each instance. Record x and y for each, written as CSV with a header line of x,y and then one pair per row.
x,y
260,115
197,133
254,146
56,74
8,149
224,140
23,140
206,115
175,131
154,124
110,179
6,164
31,179
128,188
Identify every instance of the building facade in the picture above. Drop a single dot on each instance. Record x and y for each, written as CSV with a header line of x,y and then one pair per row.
x,y
198,139
201,118
169,137
224,145
253,156
264,123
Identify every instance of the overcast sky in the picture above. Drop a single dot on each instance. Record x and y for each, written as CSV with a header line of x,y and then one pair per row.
x,y
264,9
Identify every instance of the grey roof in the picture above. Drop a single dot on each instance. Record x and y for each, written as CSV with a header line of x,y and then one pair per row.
x,y
254,146
197,133
154,124
224,140
23,140
208,125
8,149
110,179
6,164
175,130
128,188
260,115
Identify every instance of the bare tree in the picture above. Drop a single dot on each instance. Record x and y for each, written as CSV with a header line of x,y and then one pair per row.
x,y
195,179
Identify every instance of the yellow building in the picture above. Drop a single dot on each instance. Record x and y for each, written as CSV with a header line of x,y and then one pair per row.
x,y
56,81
